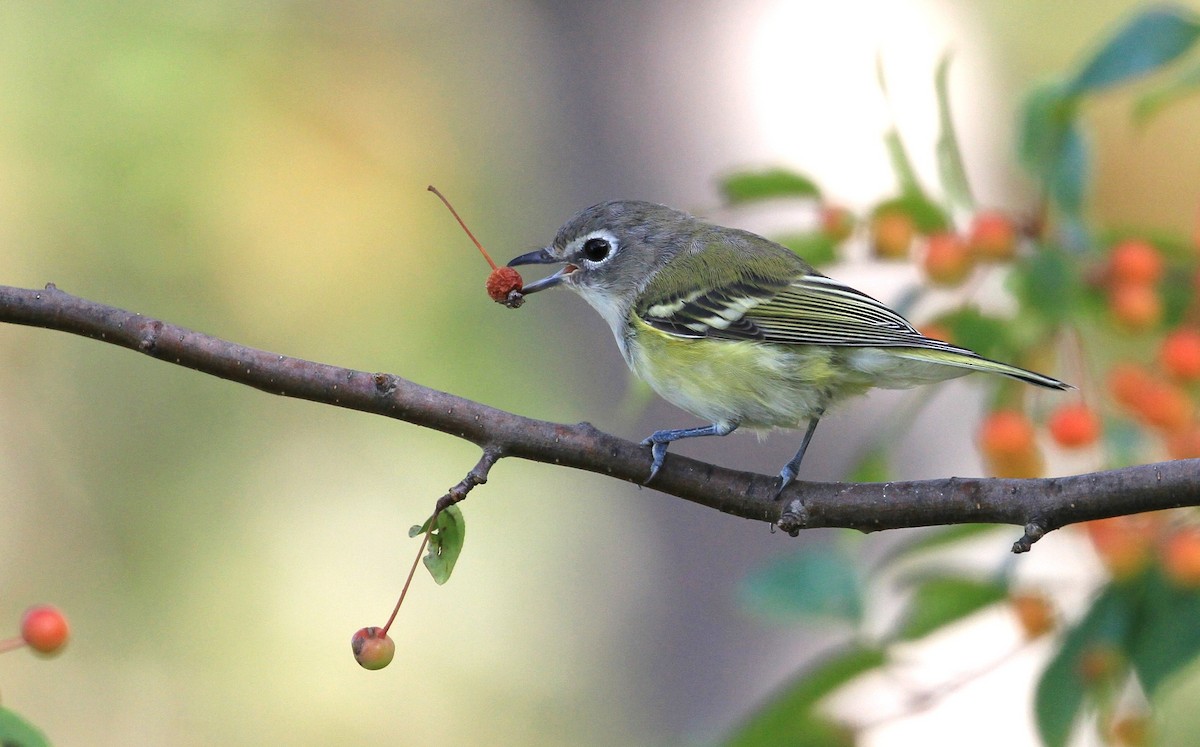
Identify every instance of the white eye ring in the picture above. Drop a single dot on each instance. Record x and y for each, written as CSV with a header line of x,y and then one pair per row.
x,y
597,248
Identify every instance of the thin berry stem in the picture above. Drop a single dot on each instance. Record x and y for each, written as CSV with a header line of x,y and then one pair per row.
x,y
11,644
411,572
454,212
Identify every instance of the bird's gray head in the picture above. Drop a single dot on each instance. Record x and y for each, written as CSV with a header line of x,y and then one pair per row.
x,y
611,250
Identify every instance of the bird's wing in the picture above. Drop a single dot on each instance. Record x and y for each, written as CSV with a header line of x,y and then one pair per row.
x,y
807,310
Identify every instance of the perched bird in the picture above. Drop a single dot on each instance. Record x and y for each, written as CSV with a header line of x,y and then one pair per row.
x,y
737,329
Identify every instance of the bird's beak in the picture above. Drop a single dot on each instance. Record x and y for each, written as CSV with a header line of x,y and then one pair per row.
x,y
542,257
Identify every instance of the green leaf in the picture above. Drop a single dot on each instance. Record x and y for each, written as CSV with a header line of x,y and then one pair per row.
x,y
933,539
926,215
1061,688
941,600
749,186
986,335
445,542
873,467
17,732
949,157
906,175
820,581
1051,146
815,248
1166,638
1154,101
1047,283
788,718
1148,41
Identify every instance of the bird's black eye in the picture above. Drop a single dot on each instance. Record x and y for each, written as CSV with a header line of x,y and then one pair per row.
x,y
596,249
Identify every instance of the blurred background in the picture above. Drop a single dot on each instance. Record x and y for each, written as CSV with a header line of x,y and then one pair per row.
x,y
257,171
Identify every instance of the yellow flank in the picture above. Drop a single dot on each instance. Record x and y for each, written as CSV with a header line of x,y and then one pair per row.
x,y
743,382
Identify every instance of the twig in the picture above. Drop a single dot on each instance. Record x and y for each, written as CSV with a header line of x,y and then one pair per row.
x,y
1043,504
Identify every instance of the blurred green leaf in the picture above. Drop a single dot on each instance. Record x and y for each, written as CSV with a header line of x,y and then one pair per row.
x,y
873,467
902,166
941,600
17,732
926,215
933,539
949,157
818,581
816,248
1167,636
445,542
1149,40
788,718
986,335
1046,283
1062,686
749,186
1154,101
1051,146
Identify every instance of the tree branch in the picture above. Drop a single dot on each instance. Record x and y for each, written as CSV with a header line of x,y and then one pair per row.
x,y
1039,506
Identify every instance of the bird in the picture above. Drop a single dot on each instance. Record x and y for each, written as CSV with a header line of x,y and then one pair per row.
x,y
736,329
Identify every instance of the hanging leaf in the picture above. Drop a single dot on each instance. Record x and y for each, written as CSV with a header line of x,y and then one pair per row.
x,y
17,732
1149,40
817,248
750,186
941,600
445,542
1152,102
819,581
1166,638
788,718
949,156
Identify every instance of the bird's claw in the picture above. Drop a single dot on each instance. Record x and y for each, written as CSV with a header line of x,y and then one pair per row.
x,y
658,452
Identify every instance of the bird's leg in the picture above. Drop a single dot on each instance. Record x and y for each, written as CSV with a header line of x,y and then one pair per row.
x,y
659,440
792,468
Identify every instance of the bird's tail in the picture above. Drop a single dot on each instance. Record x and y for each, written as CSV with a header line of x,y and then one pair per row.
x,y
973,362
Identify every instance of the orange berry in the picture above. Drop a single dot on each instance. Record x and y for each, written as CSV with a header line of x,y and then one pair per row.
x,y
992,236
44,628
836,222
1006,433
1184,443
1006,439
1180,353
1127,382
947,260
1135,262
1100,662
1034,614
1164,406
1180,556
892,234
1131,731
1135,307
1123,542
936,331
1074,425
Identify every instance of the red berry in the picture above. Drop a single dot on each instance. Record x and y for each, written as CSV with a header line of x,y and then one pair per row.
x,y
1074,425
836,222
1128,382
1180,353
372,648
947,261
992,237
503,281
1135,262
44,628
1136,307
